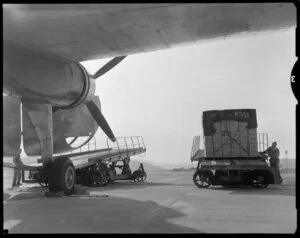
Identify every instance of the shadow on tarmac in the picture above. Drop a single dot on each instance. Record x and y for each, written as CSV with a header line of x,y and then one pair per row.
x,y
283,190
90,215
125,185
24,193
38,191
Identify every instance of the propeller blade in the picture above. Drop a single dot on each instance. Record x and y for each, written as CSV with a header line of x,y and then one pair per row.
x,y
108,66
99,118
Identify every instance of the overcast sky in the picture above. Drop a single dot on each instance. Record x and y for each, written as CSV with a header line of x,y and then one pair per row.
x,y
161,95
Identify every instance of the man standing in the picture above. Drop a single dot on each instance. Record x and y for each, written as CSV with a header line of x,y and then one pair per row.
x,y
17,172
274,153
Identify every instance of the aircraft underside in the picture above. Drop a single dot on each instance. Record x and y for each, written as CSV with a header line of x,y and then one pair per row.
x,y
57,102
43,45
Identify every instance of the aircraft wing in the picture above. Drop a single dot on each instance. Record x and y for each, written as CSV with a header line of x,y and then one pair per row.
x,y
79,32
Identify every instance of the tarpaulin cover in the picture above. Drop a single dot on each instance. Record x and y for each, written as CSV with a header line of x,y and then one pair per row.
x,y
241,115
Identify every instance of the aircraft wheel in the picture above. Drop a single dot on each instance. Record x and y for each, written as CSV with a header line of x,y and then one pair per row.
x,y
62,176
202,179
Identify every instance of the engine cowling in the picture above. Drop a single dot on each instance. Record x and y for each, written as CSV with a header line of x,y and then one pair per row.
x,y
37,78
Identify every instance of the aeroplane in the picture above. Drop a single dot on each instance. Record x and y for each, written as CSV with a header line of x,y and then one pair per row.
x,y
43,45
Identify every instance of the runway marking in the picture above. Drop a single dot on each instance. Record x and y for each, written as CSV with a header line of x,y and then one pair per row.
x,y
173,178
9,224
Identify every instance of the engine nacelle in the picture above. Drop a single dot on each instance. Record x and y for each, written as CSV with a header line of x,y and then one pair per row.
x,y
32,76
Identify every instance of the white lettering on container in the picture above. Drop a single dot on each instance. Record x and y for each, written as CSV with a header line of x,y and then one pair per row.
x,y
242,115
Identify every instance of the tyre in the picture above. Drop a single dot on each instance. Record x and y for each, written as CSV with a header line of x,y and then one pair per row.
x,y
62,176
202,179
137,176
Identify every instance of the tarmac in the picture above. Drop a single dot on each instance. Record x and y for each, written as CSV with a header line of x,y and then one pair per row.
x,y
167,202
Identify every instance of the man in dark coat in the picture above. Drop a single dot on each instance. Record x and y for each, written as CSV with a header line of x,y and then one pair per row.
x,y
274,153
17,172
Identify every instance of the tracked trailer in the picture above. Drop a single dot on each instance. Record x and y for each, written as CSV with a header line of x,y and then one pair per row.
x,y
232,154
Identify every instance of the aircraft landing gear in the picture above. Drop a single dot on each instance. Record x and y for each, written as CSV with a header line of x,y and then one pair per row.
x,y
62,176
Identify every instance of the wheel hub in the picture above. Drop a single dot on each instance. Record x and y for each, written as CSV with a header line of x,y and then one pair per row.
x,y
69,178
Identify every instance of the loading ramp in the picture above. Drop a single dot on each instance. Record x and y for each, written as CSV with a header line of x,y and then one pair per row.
x,y
98,166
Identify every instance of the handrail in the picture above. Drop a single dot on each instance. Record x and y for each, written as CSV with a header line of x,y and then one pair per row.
x,y
132,142
143,142
126,146
196,145
118,147
143,146
108,148
133,145
136,142
262,138
139,143
86,144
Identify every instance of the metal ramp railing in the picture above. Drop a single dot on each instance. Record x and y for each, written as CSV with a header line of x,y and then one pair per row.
x,y
196,152
87,146
91,143
262,140
131,145
195,146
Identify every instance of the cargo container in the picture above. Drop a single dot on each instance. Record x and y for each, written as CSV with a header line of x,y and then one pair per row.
x,y
232,151
230,133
